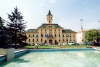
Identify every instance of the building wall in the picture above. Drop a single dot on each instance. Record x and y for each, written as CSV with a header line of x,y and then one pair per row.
x,y
80,36
51,30
62,39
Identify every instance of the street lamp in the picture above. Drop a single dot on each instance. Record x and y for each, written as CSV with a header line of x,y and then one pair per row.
x,y
81,28
99,22
81,23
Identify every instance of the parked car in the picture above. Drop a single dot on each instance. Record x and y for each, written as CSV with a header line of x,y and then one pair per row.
x,y
73,43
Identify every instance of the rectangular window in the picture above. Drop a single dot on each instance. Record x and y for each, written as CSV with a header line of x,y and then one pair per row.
x,y
63,35
63,39
45,35
73,35
33,40
29,35
55,35
29,40
59,35
33,35
41,35
59,40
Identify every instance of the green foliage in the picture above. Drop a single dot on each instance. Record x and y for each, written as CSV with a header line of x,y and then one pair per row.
x,y
1,22
92,35
16,27
57,46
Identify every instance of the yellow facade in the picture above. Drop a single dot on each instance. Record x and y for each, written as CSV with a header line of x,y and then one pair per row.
x,y
50,33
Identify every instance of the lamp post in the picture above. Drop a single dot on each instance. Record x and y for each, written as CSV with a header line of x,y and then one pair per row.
x,y
82,29
81,24
99,22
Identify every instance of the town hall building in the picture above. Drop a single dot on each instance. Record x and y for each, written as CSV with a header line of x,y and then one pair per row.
x,y
50,33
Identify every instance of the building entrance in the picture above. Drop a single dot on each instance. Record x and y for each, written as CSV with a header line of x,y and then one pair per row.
x,y
50,41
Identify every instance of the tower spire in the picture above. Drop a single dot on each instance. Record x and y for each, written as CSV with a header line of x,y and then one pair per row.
x,y
49,17
49,13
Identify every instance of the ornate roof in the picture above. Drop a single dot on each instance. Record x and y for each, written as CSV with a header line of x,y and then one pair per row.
x,y
68,30
32,30
63,31
45,25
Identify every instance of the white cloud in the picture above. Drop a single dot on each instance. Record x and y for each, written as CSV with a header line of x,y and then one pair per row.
x,y
41,4
40,11
52,1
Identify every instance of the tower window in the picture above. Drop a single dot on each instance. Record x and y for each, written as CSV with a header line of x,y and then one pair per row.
x,y
49,21
33,40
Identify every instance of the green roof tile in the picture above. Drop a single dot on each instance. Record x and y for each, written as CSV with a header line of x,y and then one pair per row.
x,y
32,30
68,30
45,25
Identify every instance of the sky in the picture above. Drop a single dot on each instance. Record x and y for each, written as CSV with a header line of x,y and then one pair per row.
x,y
66,13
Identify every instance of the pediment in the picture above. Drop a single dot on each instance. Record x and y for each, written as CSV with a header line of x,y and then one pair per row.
x,y
50,26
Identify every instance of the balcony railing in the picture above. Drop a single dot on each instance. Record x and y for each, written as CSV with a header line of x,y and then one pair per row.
x,y
50,36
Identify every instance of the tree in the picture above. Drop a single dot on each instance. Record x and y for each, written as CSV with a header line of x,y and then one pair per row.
x,y
3,35
17,26
1,22
92,35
